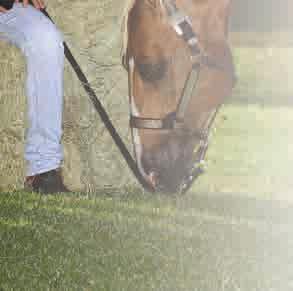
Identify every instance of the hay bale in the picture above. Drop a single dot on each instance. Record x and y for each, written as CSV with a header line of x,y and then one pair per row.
x,y
12,115
92,31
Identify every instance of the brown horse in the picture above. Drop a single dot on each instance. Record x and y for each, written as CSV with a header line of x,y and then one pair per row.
x,y
180,70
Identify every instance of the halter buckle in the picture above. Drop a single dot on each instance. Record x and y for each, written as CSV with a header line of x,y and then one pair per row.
x,y
177,20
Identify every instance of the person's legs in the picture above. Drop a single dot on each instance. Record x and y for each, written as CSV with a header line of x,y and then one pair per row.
x,y
42,45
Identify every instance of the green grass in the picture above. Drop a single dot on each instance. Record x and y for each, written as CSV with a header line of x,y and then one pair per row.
x,y
94,243
251,153
124,239
251,149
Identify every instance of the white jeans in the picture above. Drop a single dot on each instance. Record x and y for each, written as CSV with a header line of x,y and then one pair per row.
x,y
42,46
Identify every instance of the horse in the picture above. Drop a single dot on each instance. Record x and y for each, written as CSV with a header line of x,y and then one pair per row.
x,y
180,69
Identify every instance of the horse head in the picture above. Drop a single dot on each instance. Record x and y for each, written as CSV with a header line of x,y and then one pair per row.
x,y
173,45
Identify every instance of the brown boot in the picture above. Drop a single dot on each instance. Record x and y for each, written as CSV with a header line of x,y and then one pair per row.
x,y
45,183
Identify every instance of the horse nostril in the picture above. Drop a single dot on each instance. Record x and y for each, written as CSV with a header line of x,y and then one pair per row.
x,y
148,162
153,178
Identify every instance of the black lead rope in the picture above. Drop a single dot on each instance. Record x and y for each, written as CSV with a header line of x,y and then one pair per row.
x,y
104,116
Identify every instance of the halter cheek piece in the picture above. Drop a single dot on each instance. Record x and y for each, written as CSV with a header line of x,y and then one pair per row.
x,y
181,24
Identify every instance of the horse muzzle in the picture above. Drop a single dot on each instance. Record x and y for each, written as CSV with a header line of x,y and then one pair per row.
x,y
167,166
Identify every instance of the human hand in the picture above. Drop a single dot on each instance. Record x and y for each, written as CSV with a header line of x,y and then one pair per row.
x,y
2,9
39,4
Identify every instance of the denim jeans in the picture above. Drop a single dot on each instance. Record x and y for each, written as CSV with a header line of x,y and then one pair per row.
x,y
42,45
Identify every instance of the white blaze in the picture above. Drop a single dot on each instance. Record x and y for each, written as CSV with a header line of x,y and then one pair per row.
x,y
135,112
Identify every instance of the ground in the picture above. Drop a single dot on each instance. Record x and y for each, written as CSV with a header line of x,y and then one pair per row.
x,y
134,241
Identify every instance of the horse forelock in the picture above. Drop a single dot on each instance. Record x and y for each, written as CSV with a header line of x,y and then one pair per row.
x,y
124,29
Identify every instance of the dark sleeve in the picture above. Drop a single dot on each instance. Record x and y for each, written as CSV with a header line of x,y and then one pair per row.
x,y
6,3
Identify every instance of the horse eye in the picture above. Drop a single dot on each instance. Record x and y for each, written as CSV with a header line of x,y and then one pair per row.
x,y
152,72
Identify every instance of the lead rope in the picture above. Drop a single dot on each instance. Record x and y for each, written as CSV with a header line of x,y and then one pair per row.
x,y
104,116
